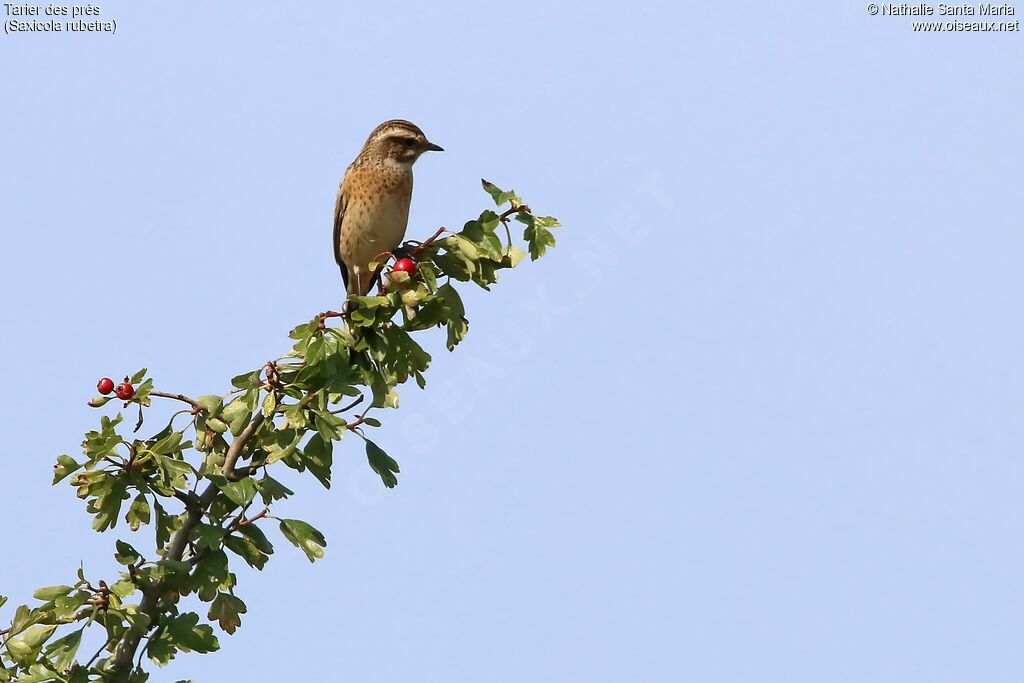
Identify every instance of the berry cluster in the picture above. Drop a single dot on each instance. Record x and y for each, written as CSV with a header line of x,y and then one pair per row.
x,y
123,391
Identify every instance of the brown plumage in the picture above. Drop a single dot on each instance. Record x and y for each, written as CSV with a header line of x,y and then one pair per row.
x,y
372,208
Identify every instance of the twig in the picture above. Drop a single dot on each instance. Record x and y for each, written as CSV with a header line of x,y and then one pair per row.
x,y
178,397
98,652
241,521
516,208
142,652
360,420
189,498
423,245
350,406
234,451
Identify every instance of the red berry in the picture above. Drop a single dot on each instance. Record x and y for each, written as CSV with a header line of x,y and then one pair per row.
x,y
406,265
124,391
105,386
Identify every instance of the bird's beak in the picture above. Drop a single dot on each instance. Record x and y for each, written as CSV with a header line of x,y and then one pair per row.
x,y
431,147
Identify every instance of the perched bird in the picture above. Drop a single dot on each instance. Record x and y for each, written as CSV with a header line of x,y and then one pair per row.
x,y
372,209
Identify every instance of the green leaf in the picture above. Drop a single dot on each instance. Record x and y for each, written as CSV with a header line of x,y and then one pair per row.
x,y
110,493
65,466
225,608
305,537
207,536
51,593
24,649
269,404
515,255
252,545
61,652
302,331
536,234
181,633
254,534
500,196
237,415
165,524
142,392
123,588
138,513
481,233
125,554
382,463
246,380
212,403
192,637
271,489
318,457
240,492
315,351
168,445
176,472
457,323
137,377
23,617
211,573
284,443
455,265
330,427
35,636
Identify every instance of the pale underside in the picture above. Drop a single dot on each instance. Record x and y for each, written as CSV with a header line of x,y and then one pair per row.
x,y
370,218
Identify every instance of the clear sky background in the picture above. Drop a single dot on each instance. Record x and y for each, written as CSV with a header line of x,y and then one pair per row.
x,y
757,417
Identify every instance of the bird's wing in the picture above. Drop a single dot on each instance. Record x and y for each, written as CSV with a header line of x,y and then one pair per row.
x,y
339,216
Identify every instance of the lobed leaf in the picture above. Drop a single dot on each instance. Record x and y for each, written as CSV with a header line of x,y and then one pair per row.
x,y
305,537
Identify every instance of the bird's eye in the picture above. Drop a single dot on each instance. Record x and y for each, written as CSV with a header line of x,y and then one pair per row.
x,y
408,142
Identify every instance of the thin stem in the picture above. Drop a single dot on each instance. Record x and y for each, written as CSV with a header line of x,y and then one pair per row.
x,y
241,521
423,245
360,420
142,652
516,208
178,397
350,406
98,652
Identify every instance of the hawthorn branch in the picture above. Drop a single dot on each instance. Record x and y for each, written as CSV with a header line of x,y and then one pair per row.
x,y
423,245
103,647
360,420
235,450
350,406
241,520
516,208
150,603
179,397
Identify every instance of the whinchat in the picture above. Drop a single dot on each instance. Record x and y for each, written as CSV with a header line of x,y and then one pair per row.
x,y
372,209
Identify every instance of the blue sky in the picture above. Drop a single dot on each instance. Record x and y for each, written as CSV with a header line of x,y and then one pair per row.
x,y
757,418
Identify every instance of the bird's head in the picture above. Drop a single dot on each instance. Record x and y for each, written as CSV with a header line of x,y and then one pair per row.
x,y
398,141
